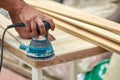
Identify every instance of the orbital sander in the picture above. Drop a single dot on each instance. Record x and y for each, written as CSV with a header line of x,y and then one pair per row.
x,y
39,49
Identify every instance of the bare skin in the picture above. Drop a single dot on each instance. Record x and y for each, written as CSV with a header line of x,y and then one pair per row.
x,y
21,12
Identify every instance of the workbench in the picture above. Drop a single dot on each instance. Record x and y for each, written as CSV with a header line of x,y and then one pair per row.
x,y
67,48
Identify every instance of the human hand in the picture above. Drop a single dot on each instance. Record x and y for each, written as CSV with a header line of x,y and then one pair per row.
x,y
21,12
31,17
22,31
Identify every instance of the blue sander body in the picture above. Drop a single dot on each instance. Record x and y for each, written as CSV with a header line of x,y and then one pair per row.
x,y
39,49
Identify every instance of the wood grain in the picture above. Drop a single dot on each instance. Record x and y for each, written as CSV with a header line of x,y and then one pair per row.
x,y
75,14
105,43
94,29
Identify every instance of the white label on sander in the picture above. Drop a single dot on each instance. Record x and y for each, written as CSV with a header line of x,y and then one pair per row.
x,y
41,38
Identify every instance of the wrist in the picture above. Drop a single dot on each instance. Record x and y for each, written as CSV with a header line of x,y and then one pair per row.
x,y
14,5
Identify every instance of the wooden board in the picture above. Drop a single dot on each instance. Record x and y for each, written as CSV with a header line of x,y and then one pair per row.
x,y
67,47
93,29
75,14
98,40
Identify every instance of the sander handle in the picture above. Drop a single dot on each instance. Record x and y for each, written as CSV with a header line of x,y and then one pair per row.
x,y
46,24
47,27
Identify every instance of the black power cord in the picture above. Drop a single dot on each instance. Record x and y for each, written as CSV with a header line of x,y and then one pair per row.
x,y
2,45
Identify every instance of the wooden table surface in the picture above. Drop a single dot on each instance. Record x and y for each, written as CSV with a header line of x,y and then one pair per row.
x,y
67,47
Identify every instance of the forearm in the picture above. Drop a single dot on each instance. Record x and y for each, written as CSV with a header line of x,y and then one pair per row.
x,y
12,5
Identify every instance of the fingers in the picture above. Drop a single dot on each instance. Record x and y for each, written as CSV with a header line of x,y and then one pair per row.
x,y
28,24
31,26
50,21
51,37
31,17
41,26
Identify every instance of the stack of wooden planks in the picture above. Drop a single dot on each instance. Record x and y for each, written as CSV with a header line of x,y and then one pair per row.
x,y
99,31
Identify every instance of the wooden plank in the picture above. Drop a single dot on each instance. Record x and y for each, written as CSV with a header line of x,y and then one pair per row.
x,y
105,43
74,48
94,29
75,14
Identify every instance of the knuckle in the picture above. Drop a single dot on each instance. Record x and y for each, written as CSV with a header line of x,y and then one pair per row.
x,y
33,28
35,34
41,25
27,29
27,20
49,19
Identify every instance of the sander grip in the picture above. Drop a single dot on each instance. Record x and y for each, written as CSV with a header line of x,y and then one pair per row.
x,y
46,24
47,27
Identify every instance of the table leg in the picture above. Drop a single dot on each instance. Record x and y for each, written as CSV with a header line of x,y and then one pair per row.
x,y
73,70
36,74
